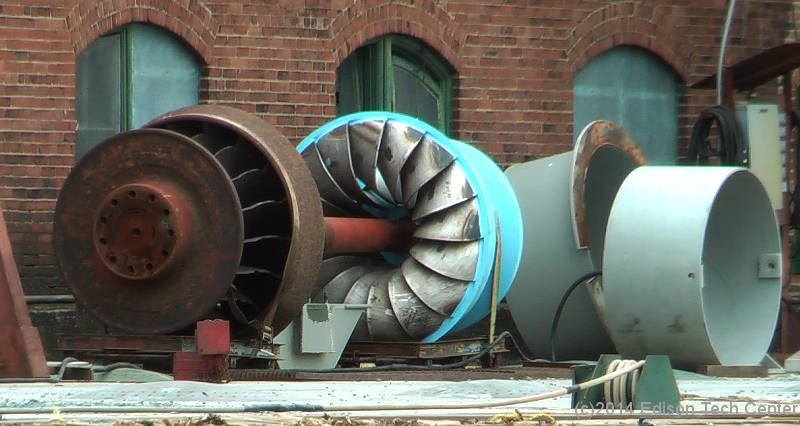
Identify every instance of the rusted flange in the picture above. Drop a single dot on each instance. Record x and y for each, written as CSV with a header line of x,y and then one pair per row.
x,y
598,134
148,231
284,233
140,228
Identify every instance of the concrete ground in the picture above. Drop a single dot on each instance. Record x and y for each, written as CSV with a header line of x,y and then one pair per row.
x,y
771,400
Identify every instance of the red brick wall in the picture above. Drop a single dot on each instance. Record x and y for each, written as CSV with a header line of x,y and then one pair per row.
x,y
515,62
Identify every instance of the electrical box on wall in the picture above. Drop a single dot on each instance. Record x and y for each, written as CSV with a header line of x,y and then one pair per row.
x,y
760,124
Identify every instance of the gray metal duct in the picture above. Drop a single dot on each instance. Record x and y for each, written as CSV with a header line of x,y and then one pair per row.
x,y
565,201
692,266
690,256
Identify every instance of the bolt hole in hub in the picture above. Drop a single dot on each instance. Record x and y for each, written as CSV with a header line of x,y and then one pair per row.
x,y
135,234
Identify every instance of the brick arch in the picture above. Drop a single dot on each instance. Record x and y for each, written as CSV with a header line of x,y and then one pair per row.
x,y
425,20
629,23
189,20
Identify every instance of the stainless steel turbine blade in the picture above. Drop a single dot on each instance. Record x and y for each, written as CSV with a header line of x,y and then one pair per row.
x,y
364,140
399,140
329,190
447,189
334,151
438,292
457,223
381,320
416,318
333,266
425,162
359,294
337,289
457,260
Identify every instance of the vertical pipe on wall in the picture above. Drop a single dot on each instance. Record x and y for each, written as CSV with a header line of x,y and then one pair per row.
x,y
722,47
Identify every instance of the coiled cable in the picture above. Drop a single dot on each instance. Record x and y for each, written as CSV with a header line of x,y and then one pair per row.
x,y
731,148
620,390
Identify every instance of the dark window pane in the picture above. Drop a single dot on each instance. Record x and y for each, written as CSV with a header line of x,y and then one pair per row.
x,y
165,74
346,87
428,106
413,98
98,89
637,90
396,73
405,99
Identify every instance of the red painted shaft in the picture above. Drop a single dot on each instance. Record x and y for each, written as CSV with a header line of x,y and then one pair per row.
x,y
361,235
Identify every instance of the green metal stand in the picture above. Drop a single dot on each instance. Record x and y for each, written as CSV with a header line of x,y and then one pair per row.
x,y
656,390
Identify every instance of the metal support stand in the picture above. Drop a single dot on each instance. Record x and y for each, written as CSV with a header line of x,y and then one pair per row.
x,y
655,390
316,339
207,355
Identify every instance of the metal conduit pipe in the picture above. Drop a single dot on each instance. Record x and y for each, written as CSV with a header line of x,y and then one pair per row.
x,y
388,165
692,266
565,201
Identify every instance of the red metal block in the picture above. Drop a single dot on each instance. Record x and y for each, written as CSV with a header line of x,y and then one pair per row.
x,y
213,337
188,366
193,366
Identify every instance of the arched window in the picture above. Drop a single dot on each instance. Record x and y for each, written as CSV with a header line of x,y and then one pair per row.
x,y
400,74
637,90
129,76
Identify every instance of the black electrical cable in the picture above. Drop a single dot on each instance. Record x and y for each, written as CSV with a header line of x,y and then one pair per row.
x,y
522,354
732,149
560,308
61,370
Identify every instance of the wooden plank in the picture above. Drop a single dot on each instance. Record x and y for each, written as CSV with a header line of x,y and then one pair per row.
x,y
734,370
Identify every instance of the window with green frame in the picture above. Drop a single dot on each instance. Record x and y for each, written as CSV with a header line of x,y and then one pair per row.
x,y
396,73
129,76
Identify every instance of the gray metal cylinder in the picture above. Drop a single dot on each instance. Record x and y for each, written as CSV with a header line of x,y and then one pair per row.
x,y
565,201
692,266
550,263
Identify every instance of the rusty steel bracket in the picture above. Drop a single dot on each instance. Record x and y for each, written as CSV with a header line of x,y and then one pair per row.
x,y
21,353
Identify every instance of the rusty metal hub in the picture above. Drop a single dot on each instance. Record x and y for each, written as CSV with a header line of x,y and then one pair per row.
x,y
141,227
148,232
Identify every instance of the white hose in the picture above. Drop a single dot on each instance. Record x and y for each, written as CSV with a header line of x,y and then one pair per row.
x,y
615,391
